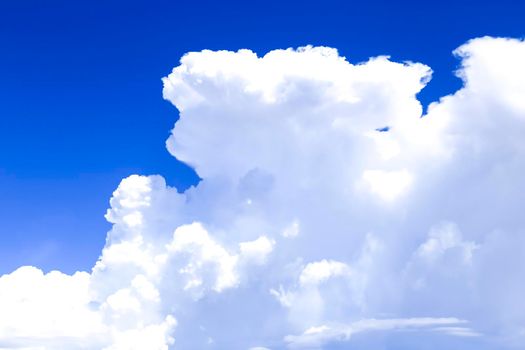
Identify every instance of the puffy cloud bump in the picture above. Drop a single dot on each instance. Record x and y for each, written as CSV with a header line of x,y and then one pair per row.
x,y
331,213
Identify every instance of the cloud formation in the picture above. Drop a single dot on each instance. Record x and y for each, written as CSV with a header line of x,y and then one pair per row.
x,y
330,208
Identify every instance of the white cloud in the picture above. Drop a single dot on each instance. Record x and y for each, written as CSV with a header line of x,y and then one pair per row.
x,y
349,228
292,230
443,238
43,309
387,184
257,250
316,337
317,272
458,331
202,250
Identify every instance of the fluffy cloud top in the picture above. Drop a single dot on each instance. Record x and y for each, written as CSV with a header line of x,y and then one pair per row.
x,y
330,209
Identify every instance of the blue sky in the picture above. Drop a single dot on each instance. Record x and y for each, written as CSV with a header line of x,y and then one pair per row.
x,y
81,104
308,226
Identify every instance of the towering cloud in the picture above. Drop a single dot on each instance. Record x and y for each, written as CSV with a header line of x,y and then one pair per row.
x,y
331,211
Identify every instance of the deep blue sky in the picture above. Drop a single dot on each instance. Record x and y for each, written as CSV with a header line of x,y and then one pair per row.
x,y
81,104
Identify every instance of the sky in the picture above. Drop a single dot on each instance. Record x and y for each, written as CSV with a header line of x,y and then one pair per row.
x,y
80,92
276,201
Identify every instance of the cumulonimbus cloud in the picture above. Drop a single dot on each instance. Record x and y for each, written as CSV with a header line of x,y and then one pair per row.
x,y
329,208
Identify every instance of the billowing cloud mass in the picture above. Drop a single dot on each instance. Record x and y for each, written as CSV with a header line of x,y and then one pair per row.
x,y
331,214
